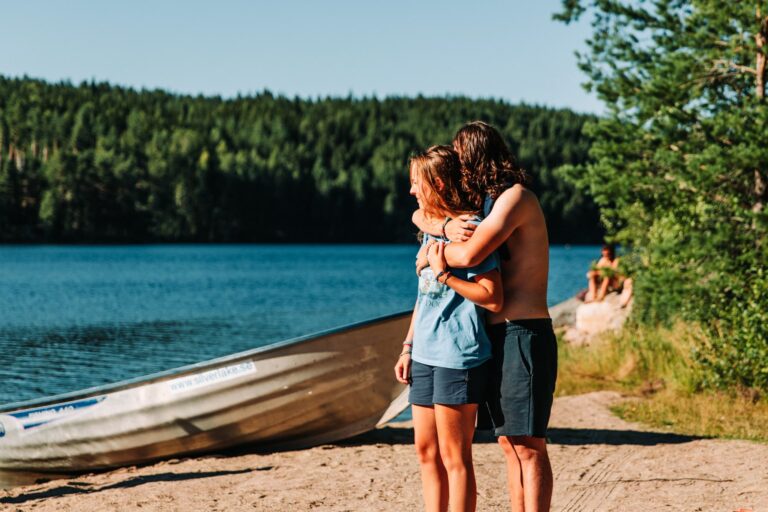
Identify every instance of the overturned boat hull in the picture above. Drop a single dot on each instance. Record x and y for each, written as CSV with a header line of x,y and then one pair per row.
x,y
312,390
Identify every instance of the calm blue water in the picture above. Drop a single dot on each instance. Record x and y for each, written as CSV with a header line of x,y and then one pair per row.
x,y
75,317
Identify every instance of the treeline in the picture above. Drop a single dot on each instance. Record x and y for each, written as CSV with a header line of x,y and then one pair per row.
x,y
101,163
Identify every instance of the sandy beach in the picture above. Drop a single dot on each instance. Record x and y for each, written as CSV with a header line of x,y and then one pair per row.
x,y
600,463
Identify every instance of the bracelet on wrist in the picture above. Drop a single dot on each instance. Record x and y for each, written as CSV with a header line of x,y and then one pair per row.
x,y
445,223
405,352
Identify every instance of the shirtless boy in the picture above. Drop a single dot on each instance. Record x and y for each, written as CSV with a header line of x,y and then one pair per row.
x,y
525,347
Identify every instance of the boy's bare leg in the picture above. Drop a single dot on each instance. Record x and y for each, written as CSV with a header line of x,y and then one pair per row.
x,y
514,475
592,284
604,284
536,471
455,429
434,479
626,292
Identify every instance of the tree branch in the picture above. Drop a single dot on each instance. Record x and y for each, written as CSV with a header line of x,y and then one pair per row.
x,y
732,65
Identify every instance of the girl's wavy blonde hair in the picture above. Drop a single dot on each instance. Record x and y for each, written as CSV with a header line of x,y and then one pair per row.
x,y
439,170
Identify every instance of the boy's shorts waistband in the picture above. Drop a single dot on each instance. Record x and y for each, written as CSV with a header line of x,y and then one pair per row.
x,y
526,324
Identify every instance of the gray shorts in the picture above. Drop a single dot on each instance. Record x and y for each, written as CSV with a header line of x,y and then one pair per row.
x,y
447,386
522,383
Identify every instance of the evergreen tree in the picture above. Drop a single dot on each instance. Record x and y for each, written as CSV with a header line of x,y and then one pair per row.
x,y
680,165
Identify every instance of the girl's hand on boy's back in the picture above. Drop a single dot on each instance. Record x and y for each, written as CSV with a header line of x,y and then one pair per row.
x,y
436,258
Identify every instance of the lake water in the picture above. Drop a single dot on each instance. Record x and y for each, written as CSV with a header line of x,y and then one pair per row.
x,y
79,316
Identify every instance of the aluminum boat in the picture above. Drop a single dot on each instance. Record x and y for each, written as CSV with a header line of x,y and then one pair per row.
x,y
293,394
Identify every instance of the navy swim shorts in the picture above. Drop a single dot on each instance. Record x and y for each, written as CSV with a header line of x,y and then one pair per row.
x,y
447,386
522,381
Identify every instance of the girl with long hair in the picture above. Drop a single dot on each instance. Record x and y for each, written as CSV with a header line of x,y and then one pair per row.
x,y
446,354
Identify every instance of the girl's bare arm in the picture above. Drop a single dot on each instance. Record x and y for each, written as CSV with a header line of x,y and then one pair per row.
x,y
485,291
403,365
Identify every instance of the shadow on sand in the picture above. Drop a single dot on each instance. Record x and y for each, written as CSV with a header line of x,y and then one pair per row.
x,y
578,436
75,487
393,435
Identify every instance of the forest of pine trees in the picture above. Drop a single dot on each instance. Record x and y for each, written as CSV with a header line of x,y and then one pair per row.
x,y
101,163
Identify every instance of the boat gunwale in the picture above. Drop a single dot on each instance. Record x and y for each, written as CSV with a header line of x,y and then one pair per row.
x,y
188,369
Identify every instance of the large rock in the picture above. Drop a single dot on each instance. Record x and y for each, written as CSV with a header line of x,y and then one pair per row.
x,y
596,318
564,313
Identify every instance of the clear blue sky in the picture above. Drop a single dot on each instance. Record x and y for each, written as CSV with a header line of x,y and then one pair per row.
x,y
487,48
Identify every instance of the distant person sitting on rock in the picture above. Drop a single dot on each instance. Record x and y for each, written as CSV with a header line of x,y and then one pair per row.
x,y
605,276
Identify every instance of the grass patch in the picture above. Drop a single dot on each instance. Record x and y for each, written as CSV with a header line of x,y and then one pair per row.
x,y
654,367
707,414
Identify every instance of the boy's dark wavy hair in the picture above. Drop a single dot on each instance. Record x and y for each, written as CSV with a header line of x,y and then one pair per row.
x,y
487,165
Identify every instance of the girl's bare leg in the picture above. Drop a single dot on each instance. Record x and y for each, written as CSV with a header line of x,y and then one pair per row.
x,y
434,479
455,429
